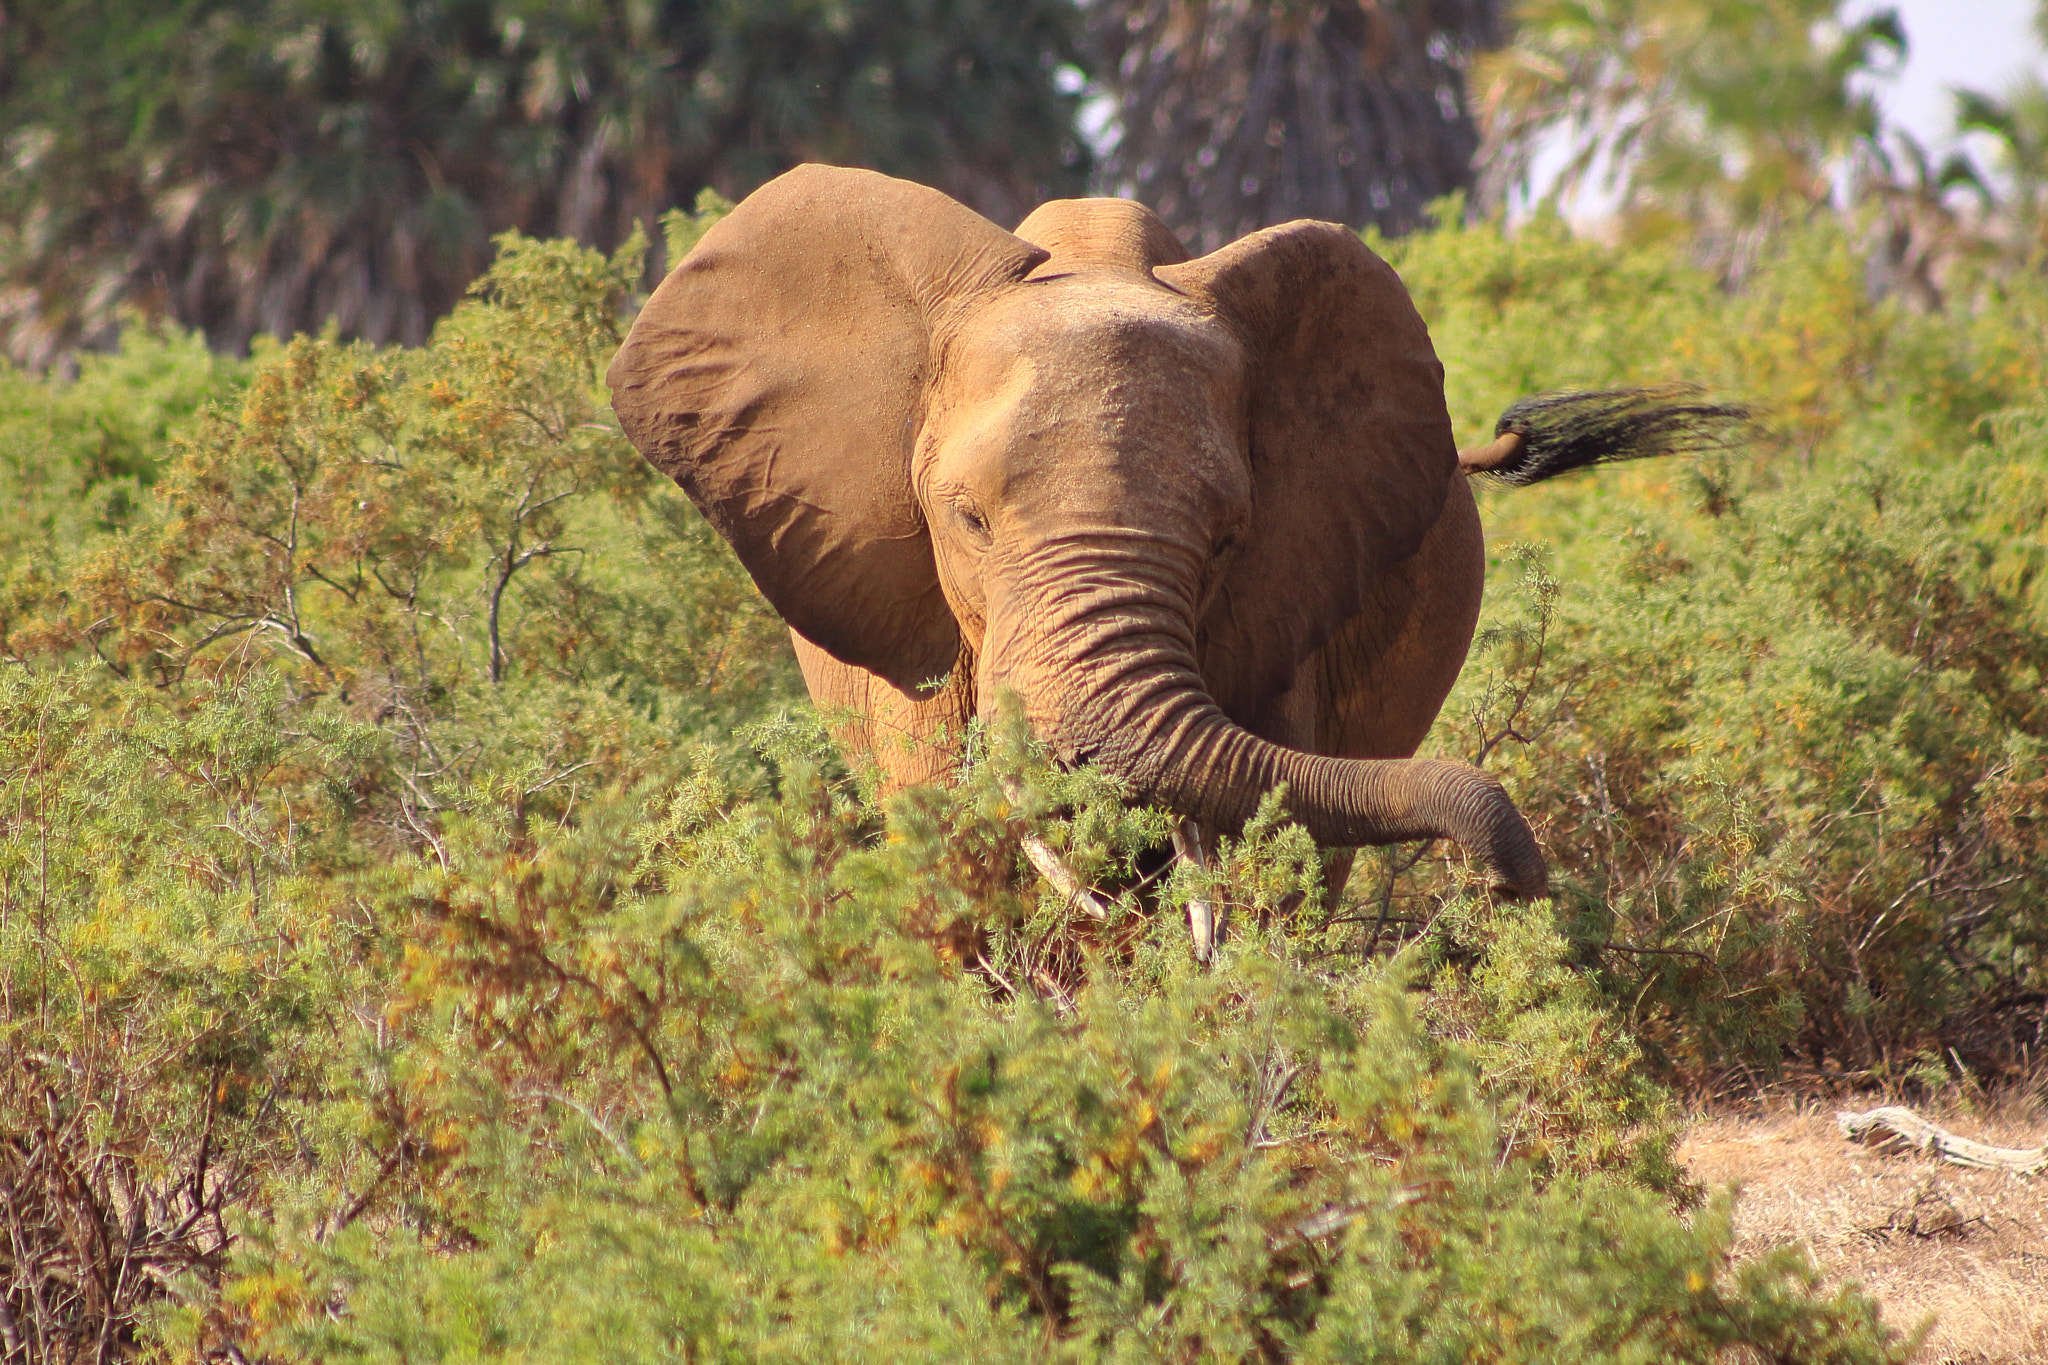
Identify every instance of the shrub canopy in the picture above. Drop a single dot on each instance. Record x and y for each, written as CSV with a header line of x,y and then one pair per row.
x,y
434,927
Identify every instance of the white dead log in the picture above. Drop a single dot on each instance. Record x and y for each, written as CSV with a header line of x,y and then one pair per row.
x,y
1892,1127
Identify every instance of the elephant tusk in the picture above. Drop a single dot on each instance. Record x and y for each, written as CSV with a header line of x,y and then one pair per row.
x,y
1187,843
1063,879
1049,865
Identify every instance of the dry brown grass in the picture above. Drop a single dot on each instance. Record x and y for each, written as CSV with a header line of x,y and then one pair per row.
x,y
1968,1248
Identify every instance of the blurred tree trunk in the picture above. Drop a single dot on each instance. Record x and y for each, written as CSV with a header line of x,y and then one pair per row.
x,y
1237,114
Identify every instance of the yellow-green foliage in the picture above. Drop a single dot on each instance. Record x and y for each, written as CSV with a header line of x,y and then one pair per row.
x,y
761,1094
434,929
1832,372
1777,716
77,457
173,962
367,592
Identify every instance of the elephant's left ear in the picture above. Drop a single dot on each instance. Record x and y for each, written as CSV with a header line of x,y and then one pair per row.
x,y
778,375
1351,445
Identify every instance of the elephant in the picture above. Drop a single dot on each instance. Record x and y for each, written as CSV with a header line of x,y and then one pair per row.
x,y
1205,519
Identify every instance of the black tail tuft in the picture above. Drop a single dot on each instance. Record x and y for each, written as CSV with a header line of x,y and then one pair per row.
x,y
1565,431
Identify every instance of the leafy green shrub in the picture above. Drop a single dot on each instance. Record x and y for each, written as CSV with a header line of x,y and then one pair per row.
x,y
78,456
404,535
434,943
380,590
1788,763
1774,717
164,980
1832,372
752,1084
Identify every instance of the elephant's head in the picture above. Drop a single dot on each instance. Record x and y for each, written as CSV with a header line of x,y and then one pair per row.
x,y
1137,489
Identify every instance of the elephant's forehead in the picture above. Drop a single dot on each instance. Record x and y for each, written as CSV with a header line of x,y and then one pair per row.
x,y
1104,326
1123,367
1085,392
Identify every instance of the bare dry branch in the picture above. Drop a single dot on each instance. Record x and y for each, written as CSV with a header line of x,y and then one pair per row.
x,y
1891,1127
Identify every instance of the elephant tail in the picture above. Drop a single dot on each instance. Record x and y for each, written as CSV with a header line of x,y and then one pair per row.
x,y
1554,433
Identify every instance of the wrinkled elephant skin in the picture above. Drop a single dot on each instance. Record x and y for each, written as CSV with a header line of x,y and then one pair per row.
x,y
1205,518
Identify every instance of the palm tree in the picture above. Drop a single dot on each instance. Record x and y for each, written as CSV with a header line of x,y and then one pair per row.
x,y
1236,114
2017,123
1928,214
1718,113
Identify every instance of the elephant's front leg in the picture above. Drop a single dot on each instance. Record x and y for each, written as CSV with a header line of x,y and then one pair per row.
x,y
911,740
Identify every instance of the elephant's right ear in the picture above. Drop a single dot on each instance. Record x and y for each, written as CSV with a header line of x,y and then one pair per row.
x,y
778,374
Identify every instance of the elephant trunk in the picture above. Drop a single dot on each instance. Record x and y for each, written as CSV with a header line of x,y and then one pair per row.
x,y
1346,801
1117,686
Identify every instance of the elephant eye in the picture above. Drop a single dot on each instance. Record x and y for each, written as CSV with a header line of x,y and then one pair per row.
x,y
976,522
1224,547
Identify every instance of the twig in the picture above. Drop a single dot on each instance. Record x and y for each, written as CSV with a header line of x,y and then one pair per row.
x,y
1272,1094
1268,1144
996,976
1335,1218
603,1130
1062,1003
1332,1218
1062,878
1657,952
566,772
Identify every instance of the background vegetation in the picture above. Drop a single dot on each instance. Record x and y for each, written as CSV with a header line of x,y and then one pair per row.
x,y
432,926
259,167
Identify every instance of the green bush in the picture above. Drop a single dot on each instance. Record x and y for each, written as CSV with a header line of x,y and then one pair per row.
x,y
356,595
1775,717
1789,765
759,1077
166,981
757,1084
434,928
1832,372
78,457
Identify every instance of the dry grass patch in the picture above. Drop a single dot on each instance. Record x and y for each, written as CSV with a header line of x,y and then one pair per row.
x,y
1969,1248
